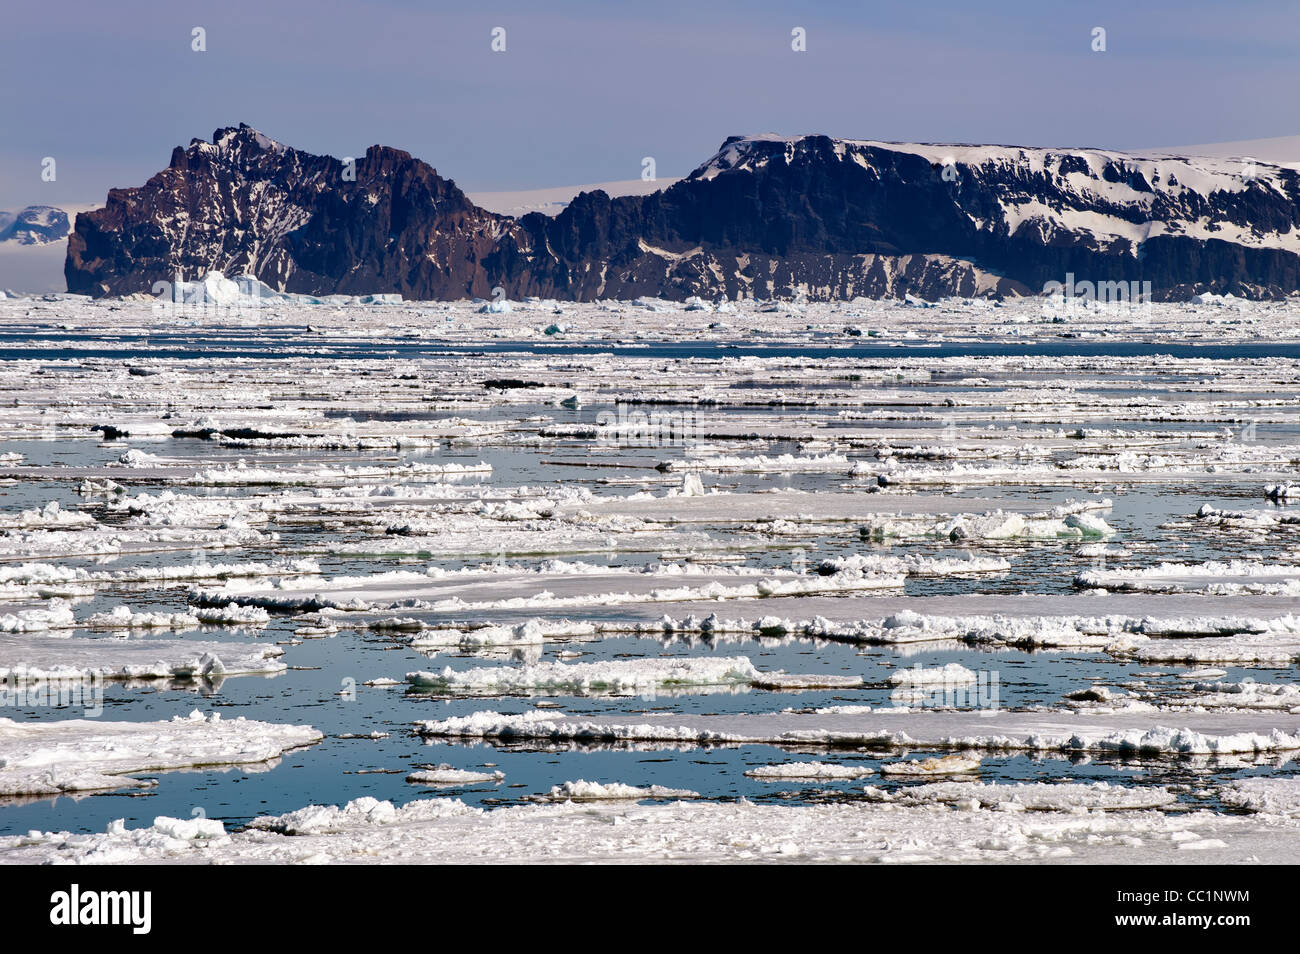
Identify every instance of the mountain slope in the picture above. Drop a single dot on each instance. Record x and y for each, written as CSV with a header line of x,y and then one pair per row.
x,y
766,216
35,225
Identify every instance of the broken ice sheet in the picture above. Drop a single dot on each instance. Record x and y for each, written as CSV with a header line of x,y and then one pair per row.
x,y
639,676
839,516
85,755
26,659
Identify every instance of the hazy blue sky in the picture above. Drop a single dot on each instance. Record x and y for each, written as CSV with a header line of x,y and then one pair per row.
x,y
585,89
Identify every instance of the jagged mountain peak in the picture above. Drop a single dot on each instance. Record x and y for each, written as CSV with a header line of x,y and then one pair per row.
x,y
229,138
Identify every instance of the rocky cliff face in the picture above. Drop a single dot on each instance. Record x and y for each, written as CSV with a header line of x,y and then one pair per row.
x,y
245,204
764,217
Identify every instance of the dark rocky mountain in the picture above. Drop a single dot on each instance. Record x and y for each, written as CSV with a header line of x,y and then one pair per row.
x,y
765,217
35,225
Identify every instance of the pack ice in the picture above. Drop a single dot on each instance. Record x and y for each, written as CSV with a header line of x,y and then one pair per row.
x,y
960,550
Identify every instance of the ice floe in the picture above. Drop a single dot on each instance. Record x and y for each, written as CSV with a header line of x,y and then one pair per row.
x,y
77,755
820,771
1065,827
1035,730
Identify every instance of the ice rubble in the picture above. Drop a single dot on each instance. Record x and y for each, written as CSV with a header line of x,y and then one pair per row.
x,y
1273,640
1213,577
75,755
550,587
1064,521
1274,796
913,565
52,574
44,544
58,615
894,445
1075,823
784,464
122,617
1282,491
531,632
50,516
325,476
614,676
1239,695
29,659
1035,730
1030,796
360,813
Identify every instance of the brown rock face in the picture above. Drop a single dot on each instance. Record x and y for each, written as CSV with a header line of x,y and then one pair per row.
x,y
299,222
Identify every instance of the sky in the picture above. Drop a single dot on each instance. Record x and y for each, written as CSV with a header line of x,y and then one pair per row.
x,y
584,90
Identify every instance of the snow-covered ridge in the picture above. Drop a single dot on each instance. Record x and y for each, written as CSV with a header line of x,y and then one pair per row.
x,y
1109,194
1085,169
